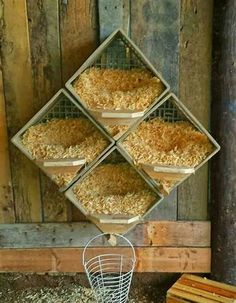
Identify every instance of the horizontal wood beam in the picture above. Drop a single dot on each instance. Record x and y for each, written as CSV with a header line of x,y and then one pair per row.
x,y
156,233
149,259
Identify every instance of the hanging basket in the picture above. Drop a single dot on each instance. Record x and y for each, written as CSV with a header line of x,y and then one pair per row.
x,y
110,274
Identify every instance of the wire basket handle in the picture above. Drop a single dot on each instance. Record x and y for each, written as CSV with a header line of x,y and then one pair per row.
x,y
107,234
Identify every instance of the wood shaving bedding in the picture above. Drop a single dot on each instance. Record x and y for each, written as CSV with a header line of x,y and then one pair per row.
x,y
118,89
165,185
114,189
64,138
115,130
63,179
166,143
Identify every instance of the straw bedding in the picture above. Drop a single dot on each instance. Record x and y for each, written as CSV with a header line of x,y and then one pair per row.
x,y
160,142
114,189
64,138
118,89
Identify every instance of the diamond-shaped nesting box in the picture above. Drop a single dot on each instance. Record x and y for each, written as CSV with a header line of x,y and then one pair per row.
x,y
63,140
168,144
117,84
114,191
117,95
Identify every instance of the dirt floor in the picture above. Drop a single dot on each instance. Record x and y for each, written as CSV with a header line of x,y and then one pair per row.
x,y
35,288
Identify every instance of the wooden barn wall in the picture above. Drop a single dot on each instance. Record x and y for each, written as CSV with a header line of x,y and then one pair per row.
x,y
43,42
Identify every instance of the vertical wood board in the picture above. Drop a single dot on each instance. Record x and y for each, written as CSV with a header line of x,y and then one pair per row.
x,y
113,15
44,35
20,106
194,91
79,38
7,214
78,32
155,29
44,38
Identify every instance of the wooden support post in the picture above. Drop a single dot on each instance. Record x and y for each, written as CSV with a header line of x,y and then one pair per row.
x,y
223,185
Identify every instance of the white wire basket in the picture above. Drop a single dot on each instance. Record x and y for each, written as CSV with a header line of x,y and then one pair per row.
x,y
110,274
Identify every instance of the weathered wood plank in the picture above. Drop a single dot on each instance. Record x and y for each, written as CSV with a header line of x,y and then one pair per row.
x,y
170,259
44,38
155,29
162,233
7,214
217,286
223,185
166,210
193,288
79,38
20,105
79,33
179,233
113,15
203,284
194,91
152,259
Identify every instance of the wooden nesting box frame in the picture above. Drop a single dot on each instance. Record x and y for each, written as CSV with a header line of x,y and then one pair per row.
x,y
170,114
111,219
39,116
127,115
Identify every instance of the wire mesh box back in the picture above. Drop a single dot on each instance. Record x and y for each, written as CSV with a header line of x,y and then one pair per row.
x,y
62,140
117,84
113,191
109,274
168,144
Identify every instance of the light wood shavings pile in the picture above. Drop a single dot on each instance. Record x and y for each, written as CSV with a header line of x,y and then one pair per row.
x,y
114,189
64,138
165,186
118,89
160,142
115,130
166,143
63,179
